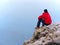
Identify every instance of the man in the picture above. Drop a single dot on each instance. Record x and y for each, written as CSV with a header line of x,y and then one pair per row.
x,y
45,19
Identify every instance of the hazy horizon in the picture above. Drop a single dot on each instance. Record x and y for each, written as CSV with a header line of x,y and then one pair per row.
x,y
18,18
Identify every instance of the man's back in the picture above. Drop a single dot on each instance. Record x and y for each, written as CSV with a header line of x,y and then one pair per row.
x,y
47,18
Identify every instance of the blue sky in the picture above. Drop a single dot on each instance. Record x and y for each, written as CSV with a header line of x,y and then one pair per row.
x,y
18,18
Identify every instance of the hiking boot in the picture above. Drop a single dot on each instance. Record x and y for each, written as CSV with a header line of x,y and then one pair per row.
x,y
37,27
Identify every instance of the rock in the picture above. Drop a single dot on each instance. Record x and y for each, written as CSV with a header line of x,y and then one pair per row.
x,y
47,35
52,43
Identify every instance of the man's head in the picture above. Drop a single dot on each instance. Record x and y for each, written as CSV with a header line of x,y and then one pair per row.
x,y
45,10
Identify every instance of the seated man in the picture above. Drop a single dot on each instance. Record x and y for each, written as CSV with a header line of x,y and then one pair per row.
x,y
45,19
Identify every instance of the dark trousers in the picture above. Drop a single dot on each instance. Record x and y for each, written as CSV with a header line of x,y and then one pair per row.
x,y
41,21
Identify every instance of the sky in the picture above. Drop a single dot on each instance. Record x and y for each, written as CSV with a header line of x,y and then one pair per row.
x,y
18,18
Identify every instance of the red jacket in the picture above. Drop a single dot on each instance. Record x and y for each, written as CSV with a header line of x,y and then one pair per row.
x,y
46,17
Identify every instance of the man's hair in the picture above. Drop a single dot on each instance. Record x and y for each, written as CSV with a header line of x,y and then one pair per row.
x,y
45,10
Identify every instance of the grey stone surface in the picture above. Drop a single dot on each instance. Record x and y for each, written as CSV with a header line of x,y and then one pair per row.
x,y
45,35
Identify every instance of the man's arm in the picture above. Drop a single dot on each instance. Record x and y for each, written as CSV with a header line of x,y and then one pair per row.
x,y
39,17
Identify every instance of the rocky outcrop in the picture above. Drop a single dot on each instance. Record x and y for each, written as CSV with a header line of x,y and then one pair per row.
x,y
47,35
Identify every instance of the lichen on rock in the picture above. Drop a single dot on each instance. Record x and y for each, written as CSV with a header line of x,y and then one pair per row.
x,y
46,35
